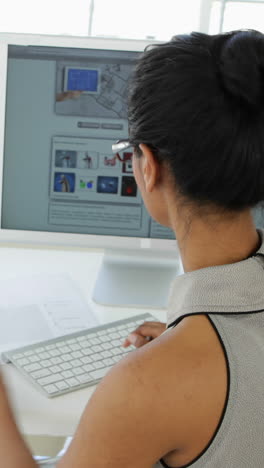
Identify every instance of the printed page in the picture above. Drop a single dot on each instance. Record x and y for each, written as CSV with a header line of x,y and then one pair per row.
x,y
41,307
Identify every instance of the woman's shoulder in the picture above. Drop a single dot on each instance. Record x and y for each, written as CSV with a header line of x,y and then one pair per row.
x,y
163,400
181,377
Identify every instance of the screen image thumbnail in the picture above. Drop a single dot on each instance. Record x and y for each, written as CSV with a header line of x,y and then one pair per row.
x,y
81,79
64,182
65,158
129,187
93,88
107,184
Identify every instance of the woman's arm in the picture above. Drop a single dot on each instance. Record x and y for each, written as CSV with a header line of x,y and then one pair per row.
x,y
13,450
164,398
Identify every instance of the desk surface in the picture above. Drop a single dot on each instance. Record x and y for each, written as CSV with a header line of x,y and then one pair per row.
x,y
35,413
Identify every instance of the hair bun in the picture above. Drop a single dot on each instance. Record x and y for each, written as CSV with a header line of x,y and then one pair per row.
x,y
242,66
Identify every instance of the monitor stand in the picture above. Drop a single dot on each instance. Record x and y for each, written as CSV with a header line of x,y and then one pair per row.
x,y
136,278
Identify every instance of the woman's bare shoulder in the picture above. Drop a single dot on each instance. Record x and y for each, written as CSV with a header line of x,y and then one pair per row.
x,y
152,403
184,375
196,367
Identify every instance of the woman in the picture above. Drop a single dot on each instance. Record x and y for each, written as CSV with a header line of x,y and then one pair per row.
x,y
193,396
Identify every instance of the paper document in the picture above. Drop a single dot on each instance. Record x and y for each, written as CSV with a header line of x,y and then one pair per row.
x,y
41,307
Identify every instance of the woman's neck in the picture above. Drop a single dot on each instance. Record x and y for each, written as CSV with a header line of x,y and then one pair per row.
x,y
204,244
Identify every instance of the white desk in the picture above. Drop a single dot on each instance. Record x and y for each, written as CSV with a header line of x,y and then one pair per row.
x,y
35,413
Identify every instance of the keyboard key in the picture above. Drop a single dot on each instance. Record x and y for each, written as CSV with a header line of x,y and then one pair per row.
x,y
106,338
44,355
76,354
77,371
54,369
66,365
40,373
32,367
86,360
117,342
75,347
18,356
123,333
89,367
108,362
45,363
107,345
66,357
67,374
84,378
75,362
94,341
84,343
106,354
101,339
96,357
61,343
56,360
51,346
65,349
50,379
99,373
114,336
62,385
54,352
139,322
22,362
35,358
87,352
92,335
98,364
73,382
117,358
97,349
81,338
50,389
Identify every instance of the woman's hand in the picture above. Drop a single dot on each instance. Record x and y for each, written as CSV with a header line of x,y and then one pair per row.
x,y
144,333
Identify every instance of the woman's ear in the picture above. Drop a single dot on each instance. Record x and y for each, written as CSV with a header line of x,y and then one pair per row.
x,y
150,168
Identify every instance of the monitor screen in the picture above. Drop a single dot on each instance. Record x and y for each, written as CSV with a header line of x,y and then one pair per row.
x,y
65,107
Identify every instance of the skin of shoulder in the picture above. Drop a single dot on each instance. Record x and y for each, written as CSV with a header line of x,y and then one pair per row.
x,y
163,400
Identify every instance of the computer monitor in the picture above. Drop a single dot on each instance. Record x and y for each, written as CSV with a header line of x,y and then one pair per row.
x,y
62,106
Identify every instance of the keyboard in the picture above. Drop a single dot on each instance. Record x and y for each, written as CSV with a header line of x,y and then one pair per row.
x,y
76,360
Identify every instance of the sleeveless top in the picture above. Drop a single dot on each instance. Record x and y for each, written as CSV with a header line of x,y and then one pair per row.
x,y
232,296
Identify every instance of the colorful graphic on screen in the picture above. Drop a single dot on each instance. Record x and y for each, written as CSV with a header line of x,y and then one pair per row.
x,y
129,187
107,184
64,182
127,164
82,79
65,158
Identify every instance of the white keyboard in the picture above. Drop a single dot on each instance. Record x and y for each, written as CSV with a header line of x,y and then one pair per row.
x,y
77,360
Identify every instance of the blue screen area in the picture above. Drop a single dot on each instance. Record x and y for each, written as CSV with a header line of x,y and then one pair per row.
x,y
82,80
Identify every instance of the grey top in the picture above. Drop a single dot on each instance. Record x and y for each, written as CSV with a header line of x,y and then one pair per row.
x,y
233,298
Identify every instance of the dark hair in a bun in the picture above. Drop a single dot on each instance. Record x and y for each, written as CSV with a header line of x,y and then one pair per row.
x,y
198,103
242,67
